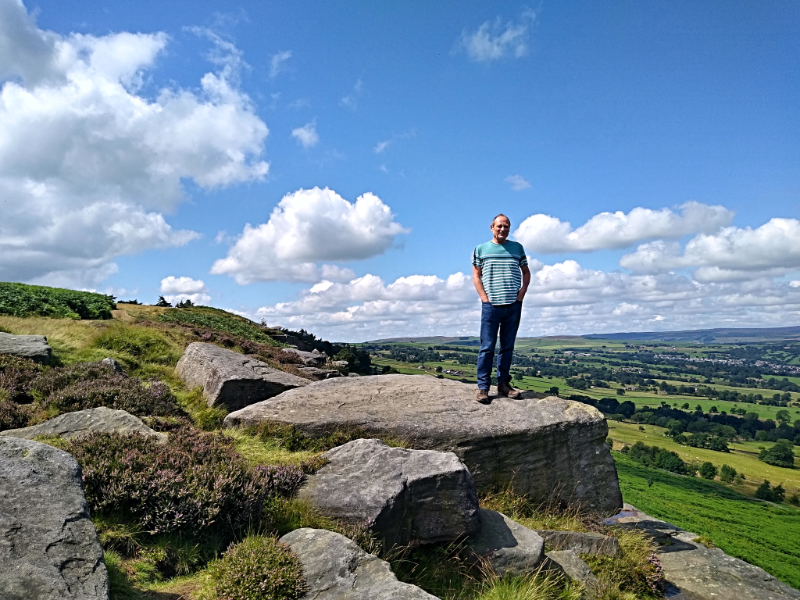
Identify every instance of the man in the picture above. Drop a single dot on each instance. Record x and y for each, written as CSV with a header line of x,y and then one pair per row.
x,y
501,277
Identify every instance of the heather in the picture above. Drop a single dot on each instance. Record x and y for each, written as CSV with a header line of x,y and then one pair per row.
x,y
218,320
196,482
21,300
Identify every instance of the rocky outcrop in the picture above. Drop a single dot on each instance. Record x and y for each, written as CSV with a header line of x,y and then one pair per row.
x,y
580,543
507,546
315,358
231,379
546,448
569,563
335,568
319,374
48,545
83,422
34,347
401,494
694,572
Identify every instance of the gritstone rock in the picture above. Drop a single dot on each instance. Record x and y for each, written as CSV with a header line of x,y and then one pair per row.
x,y
48,545
402,494
335,568
113,365
319,374
580,543
232,379
573,567
506,545
84,422
34,347
546,448
694,572
315,358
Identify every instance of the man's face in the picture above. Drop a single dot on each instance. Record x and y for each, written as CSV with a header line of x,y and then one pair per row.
x,y
501,228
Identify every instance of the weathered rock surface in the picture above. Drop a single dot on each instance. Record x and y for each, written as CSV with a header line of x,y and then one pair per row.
x,y
694,572
48,545
34,347
335,568
580,543
83,422
113,365
315,358
320,374
547,448
232,379
506,545
573,567
402,494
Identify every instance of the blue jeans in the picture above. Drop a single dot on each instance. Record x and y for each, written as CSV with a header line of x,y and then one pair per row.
x,y
504,318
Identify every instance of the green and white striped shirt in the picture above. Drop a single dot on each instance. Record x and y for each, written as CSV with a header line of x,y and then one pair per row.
x,y
500,270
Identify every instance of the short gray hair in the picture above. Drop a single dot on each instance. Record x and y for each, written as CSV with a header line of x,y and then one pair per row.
x,y
501,215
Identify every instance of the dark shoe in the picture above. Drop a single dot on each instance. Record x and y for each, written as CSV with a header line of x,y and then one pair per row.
x,y
505,389
483,396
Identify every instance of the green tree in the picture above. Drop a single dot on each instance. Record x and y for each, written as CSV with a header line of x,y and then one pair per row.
x,y
708,470
727,474
783,416
780,455
764,492
719,444
163,303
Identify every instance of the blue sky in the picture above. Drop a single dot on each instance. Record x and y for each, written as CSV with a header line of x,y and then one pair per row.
x,y
331,165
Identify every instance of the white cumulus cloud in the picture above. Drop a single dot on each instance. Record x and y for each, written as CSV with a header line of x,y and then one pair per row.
x,y
88,165
731,254
182,285
518,182
494,40
546,234
308,227
306,135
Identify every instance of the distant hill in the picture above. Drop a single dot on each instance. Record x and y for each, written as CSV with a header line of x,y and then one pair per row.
x,y
721,334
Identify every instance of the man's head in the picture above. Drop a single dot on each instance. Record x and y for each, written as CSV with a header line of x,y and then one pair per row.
x,y
501,227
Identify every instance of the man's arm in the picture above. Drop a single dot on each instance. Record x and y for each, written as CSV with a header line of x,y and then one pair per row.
x,y
526,280
476,280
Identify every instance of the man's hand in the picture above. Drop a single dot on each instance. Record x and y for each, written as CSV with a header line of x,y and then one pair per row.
x,y
526,280
476,281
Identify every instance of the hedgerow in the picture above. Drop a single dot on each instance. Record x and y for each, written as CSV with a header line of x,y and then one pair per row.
x,y
22,300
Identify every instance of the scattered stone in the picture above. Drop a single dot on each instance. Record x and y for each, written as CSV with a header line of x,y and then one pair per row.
x,y
694,572
84,422
339,364
113,365
506,545
401,494
353,375
573,567
335,568
315,358
48,545
34,347
231,379
580,543
550,449
319,374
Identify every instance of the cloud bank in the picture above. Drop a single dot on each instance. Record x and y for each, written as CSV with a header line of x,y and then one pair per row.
x,y
88,164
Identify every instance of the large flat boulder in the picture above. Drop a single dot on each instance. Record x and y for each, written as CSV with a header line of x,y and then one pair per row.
x,y
403,494
547,448
315,358
335,568
48,545
580,543
84,422
507,546
231,379
34,347
694,572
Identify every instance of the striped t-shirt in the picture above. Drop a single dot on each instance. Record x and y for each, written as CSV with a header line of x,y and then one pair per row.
x,y
500,270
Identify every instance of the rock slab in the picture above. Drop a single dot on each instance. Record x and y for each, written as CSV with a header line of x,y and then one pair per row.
x,y
507,546
546,448
34,347
580,543
48,544
335,568
400,494
84,422
694,572
315,358
231,379
573,567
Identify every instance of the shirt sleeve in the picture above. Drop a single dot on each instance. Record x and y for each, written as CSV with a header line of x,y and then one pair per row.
x,y
523,260
477,261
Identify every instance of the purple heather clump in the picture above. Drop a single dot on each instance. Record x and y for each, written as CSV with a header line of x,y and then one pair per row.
x,y
655,579
280,480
